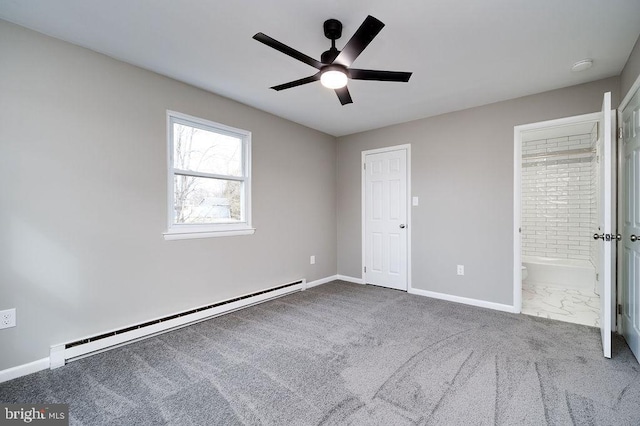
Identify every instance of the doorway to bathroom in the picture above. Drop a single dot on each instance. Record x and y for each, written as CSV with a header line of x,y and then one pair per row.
x,y
559,202
563,190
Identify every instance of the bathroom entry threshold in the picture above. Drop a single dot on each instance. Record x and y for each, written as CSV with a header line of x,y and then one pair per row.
x,y
577,306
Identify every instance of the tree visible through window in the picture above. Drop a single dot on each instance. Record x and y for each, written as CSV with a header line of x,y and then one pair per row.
x,y
209,169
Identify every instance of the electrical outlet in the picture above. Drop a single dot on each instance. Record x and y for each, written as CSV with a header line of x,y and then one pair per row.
x,y
460,269
312,260
8,318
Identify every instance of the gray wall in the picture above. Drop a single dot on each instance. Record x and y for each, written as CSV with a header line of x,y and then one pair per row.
x,y
82,200
631,70
82,203
462,170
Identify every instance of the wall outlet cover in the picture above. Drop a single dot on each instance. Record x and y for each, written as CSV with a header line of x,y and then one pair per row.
x,y
460,269
8,318
312,260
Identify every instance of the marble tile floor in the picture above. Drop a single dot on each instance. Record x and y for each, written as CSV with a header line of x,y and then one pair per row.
x,y
564,304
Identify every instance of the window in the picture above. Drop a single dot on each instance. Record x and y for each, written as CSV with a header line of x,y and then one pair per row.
x,y
209,179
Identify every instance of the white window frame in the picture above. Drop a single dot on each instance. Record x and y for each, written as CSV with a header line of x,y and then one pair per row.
x,y
180,231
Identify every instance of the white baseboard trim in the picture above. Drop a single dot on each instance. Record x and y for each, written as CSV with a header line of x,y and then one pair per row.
x,y
464,300
24,369
60,353
321,281
350,279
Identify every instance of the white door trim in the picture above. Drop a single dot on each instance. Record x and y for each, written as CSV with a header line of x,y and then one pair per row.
x,y
620,174
407,148
517,192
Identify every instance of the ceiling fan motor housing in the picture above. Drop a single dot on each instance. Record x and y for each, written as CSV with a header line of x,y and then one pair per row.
x,y
328,56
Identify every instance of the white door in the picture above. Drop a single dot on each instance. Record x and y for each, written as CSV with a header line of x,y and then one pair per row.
x,y
630,205
605,224
385,222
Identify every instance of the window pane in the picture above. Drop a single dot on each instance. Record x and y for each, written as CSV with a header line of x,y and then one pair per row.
x,y
206,151
203,200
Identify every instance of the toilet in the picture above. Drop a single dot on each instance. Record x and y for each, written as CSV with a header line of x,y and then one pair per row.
x,y
525,273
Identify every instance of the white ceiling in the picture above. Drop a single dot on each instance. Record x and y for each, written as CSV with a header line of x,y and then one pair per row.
x,y
462,53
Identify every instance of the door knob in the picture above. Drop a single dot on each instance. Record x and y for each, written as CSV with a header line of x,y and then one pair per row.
x,y
402,226
633,238
598,236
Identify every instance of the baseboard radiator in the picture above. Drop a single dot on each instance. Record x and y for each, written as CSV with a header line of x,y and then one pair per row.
x,y
62,353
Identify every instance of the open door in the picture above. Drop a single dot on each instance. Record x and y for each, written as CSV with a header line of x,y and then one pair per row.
x,y
629,261
605,228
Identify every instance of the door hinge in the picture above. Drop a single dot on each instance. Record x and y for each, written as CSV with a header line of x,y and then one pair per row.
x,y
607,237
364,165
365,269
620,133
619,309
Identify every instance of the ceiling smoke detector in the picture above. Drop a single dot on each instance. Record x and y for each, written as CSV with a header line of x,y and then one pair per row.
x,y
582,65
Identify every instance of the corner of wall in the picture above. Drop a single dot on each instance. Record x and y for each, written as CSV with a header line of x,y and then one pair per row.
x,y
631,71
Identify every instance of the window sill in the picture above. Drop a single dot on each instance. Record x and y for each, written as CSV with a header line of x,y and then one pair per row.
x,y
187,235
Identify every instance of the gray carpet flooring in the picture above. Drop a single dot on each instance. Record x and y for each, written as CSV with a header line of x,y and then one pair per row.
x,y
344,353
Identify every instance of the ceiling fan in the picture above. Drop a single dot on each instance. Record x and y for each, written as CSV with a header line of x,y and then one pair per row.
x,y
334,65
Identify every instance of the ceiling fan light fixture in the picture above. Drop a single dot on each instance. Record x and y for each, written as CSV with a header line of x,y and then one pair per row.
x,y
334,79
334,66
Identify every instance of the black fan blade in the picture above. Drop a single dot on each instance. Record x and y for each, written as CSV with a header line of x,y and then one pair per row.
x,y
379,75
263,38
344,96
295,83
361,39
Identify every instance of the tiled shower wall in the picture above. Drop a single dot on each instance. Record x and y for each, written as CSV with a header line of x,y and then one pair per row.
x,y
559,202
